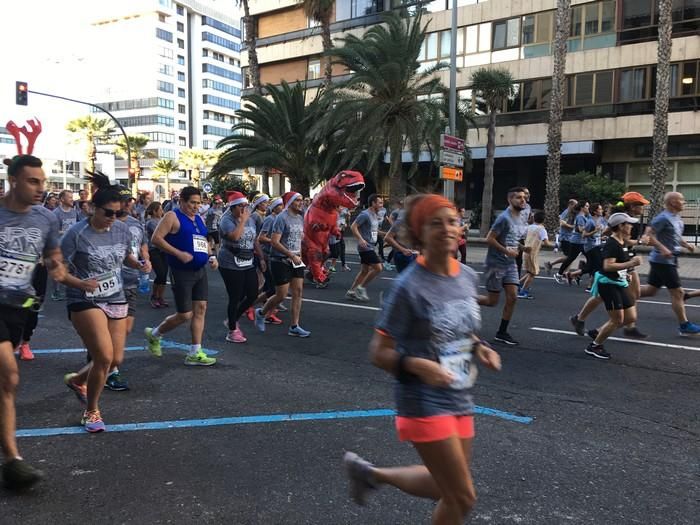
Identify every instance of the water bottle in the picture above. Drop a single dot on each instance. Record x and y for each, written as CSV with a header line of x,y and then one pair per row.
x,y
144,283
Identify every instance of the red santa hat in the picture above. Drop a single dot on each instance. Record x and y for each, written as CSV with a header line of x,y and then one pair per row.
x,y
234,198
289,197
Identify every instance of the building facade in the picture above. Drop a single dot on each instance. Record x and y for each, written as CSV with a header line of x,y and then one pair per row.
x,y
610,69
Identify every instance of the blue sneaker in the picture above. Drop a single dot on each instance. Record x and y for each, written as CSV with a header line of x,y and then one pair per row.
x,y
524,294
689,328
298,331
259,320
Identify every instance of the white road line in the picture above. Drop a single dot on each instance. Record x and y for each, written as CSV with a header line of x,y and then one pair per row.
x,y
621,339
331,303
668,304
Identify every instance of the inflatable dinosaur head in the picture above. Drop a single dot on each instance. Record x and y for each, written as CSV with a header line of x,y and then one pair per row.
x,y
343,190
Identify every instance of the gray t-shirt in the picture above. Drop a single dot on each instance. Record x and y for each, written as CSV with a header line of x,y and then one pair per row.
x,y
130,276
151,225
668,229
258,219
213,218
507,230
97,255
433,317
266,228
66,219
24,239
291,228
524,220
368,226
236,255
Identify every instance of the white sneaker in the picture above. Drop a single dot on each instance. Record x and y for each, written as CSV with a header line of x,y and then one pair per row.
x,y
351,294
361,294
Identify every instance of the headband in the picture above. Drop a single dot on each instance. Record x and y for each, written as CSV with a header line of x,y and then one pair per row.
x,y
259,200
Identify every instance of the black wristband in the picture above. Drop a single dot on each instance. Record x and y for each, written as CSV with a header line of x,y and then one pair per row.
x,y
402,374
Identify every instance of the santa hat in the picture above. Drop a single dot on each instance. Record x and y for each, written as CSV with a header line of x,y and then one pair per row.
x,y
289,197
234,198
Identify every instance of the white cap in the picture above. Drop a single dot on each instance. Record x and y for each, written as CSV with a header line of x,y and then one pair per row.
x,y
620,218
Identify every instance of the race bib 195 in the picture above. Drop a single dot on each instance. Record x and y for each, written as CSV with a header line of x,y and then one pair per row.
x,y
107,285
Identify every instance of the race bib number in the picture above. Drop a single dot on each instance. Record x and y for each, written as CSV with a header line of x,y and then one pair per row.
x,y
622,274
373,237
200,244
15,272
107,285
243,263
457,358
597,241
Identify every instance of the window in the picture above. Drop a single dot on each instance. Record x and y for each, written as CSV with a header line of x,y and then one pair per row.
x,y
215,130
506,33
218,40
148,120
604,87
167,87
346,9
138,103
209,21
636,13
216,70
538,28
182,141
181,76
685,10
205,52
161,17
180,10
164,35
633,84
180,92
180,27
181,124
689,78
181,108
180,60
431,46
314,69
586,89
180,43
165,69
220,86
157,136
221,102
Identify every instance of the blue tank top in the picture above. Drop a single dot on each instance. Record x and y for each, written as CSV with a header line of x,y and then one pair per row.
x,y
190,238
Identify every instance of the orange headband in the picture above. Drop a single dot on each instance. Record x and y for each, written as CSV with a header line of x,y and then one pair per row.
x,y
424,209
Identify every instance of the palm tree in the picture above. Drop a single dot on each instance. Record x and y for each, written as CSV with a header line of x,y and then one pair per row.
x,y
90,130
276,131
164,167
663,93
321,11
251,37
495,87
381,100
137,147
194,161
556,113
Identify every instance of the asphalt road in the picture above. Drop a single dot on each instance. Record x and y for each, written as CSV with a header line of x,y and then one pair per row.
x,y
609,442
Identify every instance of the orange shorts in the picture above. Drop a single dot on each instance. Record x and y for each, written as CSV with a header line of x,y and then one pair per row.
x,y
434,428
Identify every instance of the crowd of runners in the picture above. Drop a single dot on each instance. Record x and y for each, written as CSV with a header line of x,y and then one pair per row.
x,y
98,253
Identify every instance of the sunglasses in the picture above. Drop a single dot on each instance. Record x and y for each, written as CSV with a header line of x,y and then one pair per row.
x,y
111,213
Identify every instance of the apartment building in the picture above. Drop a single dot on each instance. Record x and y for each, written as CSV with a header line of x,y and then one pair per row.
x,y
610,80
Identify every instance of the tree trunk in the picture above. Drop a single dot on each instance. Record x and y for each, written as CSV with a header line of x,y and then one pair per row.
x,y
556,111
251,42
92,154
487,195
663,93
300,185
327,45
265,182
397,183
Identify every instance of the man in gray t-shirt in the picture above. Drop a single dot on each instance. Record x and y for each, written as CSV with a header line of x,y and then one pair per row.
x,y
67,216
366,231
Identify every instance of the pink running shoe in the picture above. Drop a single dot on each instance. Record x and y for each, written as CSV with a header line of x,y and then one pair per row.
x,y
236,336
25,353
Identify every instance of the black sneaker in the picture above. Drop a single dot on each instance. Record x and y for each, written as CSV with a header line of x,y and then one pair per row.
x,y
361,478
579,326
634,332
18,475
116,382
504,337
592,333
597,351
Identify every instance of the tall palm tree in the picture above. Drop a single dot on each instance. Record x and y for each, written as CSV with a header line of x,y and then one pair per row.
x,y
276,131
91,130
137,147
164,167
495,86
321,11
251,37
381,98
556,113
194,161
663,93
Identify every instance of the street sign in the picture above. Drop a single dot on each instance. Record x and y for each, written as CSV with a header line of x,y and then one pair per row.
x,y
449,142
207,187
451,158
447,173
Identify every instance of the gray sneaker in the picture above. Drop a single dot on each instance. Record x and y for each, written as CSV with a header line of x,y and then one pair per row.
x,y
360,475
351,295
361,294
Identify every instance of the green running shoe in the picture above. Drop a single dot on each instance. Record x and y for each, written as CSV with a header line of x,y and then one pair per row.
x,y
153,343
200,359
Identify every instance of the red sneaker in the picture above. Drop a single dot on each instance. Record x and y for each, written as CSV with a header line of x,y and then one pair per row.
x,y
250,313
25,353
273,319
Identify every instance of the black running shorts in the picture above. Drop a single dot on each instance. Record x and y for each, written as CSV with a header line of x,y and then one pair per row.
x,y
283,272
661,275
189,286
615,297
12,322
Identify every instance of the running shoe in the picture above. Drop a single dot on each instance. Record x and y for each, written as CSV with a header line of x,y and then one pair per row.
x,y
592,333
332,269
351,295
346,268
504,337
689,328
281,308
524,294
155,303
199,359
116,382
273,319
153,343
361,294
259,320
92,421
588,289
579,326
250,313
25,353
80,391
18,475
548,266
387,266
361,478
298,331
322,285
58,296
163,303
597,351
635,333
559,278
236,336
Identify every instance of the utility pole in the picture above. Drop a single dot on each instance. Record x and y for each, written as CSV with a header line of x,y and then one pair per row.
x,y
449,185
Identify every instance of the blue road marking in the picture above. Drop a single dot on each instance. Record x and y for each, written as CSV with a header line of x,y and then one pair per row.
x,y
243,420
164,344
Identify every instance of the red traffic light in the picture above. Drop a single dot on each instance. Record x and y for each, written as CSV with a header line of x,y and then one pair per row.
x,y
21,93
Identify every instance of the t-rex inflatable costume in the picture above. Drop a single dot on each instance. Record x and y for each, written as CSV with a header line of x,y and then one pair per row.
x,y
321,219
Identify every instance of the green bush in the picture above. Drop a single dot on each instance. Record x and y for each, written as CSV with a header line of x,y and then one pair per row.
x,y
590,187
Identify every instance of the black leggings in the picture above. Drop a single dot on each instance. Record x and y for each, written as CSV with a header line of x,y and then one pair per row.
x,y
574,251
160,265
338,251
242,289
39,282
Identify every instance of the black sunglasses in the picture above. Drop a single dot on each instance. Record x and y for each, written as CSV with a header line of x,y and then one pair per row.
x,y
111,213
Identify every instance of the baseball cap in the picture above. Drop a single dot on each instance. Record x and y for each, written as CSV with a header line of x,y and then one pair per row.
x,y
620,218
633,197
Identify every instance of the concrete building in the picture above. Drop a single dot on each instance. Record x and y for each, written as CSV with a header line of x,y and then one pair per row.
x,y
611,80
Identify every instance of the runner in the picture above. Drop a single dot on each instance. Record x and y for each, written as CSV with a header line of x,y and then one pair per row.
x,y
525,220
96,250
592,243
575,241
566,227
181,234
286,265
159,262
666,237
535,238
612,284
238,247
403,255
462,247
28,233
39,282
426,336
501,271
67,216
365,229
212,221
265,241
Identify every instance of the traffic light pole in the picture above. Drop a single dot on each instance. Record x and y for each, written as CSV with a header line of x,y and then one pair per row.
x,y
126,139
448,186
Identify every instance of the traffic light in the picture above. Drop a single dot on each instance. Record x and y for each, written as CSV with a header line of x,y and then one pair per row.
x,y
21,93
